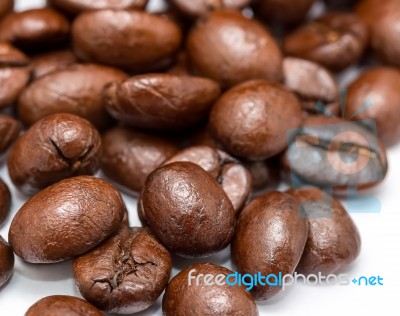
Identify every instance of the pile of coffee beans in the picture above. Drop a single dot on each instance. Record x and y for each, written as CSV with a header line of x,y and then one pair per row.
x,y
201,112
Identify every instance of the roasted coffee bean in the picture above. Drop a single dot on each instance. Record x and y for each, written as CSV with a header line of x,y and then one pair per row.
x,y
335,40
161,101
6,6
62,305
75,90
188,210
126,274
265,174
183,295
131,40
283,11
197,8
6,262
66,220
5,201
129,156
77,6
270,238
57,147
234,178
333,239
9,131
252,119
376,95
14,75
35,29
336,153
322,95
49,62
251,53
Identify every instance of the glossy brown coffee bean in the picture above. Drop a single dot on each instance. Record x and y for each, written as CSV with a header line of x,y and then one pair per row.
x,y
270,238
35,29
6,6
62,305
6,262
77,6
335,40
57,147
50,62
14,75
265,174
333,239
75,90
126,274
183,295
322,94
197,8
5,201
129,156
134,40
251,53
283,11
66,220
161,101
234,178
375,95
9,131
252,119
188,210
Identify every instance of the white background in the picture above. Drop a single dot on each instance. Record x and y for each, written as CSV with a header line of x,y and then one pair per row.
x,y
380,255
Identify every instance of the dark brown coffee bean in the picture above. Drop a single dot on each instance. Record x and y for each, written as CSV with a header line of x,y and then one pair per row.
x,y
183,294
283,11
375,94
6,262
336,40
129,156
161,101
14,75
66,220
9,131
336,153
6,6
299,73
133,40
57,147
265,174
35,29
251,54
188,210
5,201
49,62
270,238
75,90
251,120
126,274
77,6
62,305
197,8
234,178
333,239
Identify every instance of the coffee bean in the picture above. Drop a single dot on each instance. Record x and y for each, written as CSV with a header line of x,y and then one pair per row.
x,y
129,156
200,298
5,201
335,40
265,174
14,75
197,8
35,29
58,146
75,90
188,210
126,274
6,6
133,40
270,238
44,64
251,120
9,131
62,305
375,94
333,239
66,220
6,262
251,54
